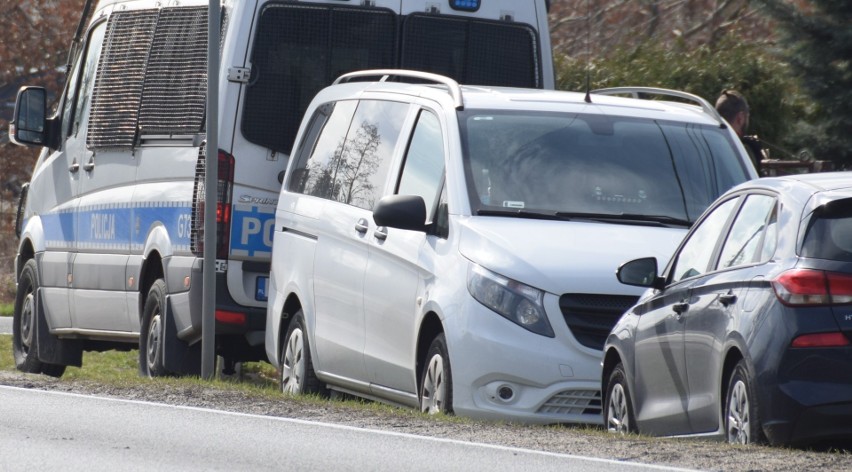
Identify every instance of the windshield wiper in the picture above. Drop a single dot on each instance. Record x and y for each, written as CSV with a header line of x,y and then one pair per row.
x,y
520,213
634,218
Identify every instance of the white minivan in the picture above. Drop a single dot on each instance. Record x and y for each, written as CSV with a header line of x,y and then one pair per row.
x,y
110,229
453,248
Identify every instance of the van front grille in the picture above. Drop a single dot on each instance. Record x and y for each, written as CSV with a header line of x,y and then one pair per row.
x,y
591,316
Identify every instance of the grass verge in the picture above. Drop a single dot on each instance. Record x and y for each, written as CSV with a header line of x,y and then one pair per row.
x,y
7,309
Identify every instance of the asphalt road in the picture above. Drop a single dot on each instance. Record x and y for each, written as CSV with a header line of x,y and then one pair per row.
x,y
5,325
41,430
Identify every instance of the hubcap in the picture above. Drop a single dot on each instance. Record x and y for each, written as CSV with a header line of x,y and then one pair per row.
x,y
293,363
27,322
738,418
434,387
617,420
153,342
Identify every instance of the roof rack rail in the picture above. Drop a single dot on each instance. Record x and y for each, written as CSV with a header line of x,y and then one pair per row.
x,y
636,91
453,87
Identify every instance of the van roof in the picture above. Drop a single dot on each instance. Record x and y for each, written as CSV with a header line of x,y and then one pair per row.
x,y
606,101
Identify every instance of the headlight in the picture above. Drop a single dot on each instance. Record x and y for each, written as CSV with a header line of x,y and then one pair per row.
x,y
511,299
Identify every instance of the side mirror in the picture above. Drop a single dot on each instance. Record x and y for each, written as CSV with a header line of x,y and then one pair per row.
x,y
401,212
29,123
641,273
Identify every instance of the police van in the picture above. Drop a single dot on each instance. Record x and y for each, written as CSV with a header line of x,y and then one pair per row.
x,y
110,252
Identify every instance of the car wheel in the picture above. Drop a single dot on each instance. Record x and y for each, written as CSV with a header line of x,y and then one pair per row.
x,y
742,423
295,367
24,336
436,385
618,409
152,332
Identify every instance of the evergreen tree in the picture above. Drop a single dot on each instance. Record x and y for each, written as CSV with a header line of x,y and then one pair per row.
x,y
818,46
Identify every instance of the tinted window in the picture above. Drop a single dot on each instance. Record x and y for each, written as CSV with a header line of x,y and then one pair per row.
x,y
76,109
314,172
472,51
423,170
694,257
362,161
568,163
748,231
297,51
830,233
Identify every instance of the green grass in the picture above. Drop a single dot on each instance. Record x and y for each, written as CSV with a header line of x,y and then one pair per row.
x,y
259,379
6,309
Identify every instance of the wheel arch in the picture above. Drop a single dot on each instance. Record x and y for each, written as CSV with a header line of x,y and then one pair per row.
x,y
291,306
430,327
732,358
152,269
611,358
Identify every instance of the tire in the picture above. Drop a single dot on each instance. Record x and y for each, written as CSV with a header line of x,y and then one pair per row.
x,y
618,407
295,368
152,333
436,381
24,326
742,421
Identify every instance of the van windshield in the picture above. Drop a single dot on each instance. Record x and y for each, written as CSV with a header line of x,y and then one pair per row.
x,y
524,163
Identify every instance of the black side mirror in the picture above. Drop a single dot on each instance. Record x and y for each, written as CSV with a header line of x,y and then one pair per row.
x,y
401,212
29,123
641,273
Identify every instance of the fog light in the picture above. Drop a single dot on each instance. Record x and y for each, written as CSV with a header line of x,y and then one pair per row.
x,y
505,393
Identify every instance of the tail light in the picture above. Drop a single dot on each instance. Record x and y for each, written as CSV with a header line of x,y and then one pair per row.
x,y
224,191
833,339
809,287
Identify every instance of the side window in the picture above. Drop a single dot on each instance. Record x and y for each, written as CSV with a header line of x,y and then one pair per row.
x,y
314,172
77,104
694,256
423,170
363,158
747,233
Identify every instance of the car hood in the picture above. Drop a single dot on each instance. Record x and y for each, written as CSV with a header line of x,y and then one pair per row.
x,y
564,256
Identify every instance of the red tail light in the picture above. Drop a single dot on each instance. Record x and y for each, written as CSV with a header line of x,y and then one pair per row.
x,y
224,191
809,287
230,317
835,339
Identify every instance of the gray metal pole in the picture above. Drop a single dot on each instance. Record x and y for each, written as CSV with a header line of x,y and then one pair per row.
x,y
208,305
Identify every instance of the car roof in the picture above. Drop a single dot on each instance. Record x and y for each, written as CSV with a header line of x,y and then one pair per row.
x,y
810,190
507,98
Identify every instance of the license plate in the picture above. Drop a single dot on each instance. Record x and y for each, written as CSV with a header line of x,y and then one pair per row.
x,y
260,292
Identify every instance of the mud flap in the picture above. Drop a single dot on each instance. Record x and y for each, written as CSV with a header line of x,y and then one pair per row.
x,y
178,356
51,349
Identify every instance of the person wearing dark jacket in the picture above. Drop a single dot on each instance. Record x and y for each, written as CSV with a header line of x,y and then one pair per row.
x,y
733,107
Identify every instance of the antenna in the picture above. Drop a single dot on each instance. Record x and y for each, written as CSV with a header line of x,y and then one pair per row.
x,y
588,98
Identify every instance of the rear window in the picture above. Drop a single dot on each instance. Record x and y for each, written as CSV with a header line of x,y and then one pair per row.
x,y
829,235
556,163
299,50
476,52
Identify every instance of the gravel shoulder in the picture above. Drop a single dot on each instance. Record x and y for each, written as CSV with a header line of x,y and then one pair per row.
x,y
583,441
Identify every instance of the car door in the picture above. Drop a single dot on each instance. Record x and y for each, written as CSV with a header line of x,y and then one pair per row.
x,y
356,174
398,263
662,390
55,192
716,301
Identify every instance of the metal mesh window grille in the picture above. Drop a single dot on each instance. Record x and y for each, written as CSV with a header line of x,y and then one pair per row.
x,y
477,52
119,79
299,50
175,88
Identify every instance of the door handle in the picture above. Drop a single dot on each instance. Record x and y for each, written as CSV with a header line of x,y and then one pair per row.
x,y
381,233
727,298
75,167
89,165
362,225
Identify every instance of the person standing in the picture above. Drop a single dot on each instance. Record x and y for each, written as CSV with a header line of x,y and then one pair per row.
x,y
734,108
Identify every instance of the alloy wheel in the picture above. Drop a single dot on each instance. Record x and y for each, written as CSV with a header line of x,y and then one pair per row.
x,y
434,387
617,419
738,415
293,364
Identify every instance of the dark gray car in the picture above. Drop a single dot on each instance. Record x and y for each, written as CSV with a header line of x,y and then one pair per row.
x,y
746,334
